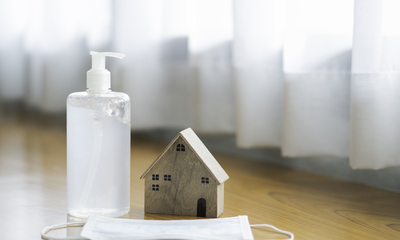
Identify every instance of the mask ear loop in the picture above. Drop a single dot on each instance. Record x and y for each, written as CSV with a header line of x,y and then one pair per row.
x,y
291,235
62,225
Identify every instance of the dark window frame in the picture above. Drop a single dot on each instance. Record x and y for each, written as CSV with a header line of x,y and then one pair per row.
x,y
205,180
155,187
180,147
167,177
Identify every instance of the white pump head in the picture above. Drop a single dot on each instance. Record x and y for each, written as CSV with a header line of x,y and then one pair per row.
x,y
98,78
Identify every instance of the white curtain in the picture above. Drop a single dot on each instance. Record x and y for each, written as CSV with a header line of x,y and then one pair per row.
x,y
44,48
317,64
375,86
312,77
178,66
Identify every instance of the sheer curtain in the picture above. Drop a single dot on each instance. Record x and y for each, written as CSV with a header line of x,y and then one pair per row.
x,y
317,64
375,85
44,48
178,69
314,78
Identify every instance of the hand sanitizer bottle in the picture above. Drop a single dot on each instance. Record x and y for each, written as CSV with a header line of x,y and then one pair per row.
x,y
98,146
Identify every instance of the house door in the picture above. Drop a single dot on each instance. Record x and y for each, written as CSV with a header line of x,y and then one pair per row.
x,y
201,207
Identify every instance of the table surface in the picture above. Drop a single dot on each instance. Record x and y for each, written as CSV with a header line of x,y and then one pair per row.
x,y
33,191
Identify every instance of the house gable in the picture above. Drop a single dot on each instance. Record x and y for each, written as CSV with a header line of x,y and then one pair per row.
x,y
192,141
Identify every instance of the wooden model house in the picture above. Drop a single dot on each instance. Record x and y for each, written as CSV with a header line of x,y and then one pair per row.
x,y
185,180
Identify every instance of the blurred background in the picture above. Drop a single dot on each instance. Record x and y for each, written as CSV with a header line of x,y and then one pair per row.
x,y
306,83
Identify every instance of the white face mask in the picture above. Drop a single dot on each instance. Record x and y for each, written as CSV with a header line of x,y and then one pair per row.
x,y
231,228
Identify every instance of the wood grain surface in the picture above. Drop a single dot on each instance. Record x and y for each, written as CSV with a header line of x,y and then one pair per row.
x,y
33,190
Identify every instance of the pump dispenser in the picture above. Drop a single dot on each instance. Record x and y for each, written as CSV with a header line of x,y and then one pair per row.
x,y
98,78
98,145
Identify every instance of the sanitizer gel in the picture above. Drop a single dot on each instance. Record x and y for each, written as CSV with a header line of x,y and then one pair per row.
x,y
98,146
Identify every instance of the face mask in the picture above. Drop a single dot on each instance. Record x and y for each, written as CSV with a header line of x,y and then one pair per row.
x,y
231,228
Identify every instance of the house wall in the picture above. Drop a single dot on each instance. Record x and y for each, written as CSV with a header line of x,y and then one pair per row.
x,y
220,199
180,195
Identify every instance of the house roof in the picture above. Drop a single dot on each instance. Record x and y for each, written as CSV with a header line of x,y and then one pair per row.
x,y
200,150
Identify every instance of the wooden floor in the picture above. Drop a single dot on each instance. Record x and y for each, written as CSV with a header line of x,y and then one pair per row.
x,y
33,190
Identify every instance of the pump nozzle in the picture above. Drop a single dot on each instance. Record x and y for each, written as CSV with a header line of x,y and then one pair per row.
x,y
98,78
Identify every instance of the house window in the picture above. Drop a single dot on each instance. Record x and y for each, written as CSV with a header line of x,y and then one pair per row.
x,y
167,177
180,148
155,187
205,180
155,177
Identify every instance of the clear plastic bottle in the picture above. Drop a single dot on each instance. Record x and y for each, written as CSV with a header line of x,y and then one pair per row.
x,y
98,146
